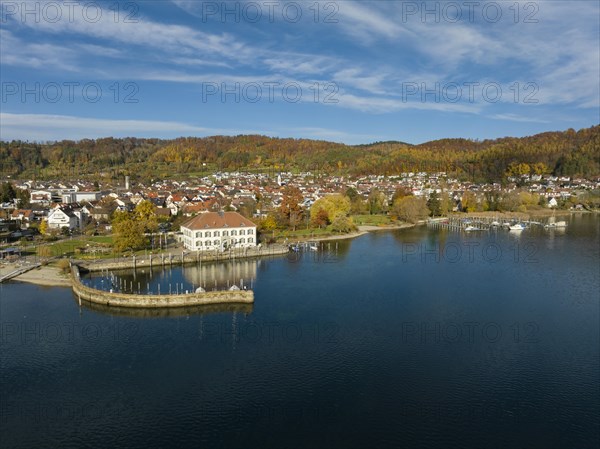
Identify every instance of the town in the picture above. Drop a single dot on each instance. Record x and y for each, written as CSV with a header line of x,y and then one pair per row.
x,y
277,206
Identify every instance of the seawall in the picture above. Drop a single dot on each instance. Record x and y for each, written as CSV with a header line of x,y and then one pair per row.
x,y
110,299
165,260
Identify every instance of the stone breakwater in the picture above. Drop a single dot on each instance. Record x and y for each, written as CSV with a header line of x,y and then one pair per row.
x,y
109,299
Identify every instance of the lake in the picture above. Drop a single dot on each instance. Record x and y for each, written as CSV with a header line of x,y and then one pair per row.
x,y
412,338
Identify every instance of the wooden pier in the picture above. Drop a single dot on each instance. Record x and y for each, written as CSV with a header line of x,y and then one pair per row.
x,y
474,223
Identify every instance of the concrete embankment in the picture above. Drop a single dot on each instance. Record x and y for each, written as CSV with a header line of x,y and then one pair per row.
x,y
105,298
169,259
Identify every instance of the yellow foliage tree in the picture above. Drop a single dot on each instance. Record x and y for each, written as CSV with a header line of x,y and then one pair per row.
x,y
334,205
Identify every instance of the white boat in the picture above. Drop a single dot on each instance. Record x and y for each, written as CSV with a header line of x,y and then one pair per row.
x,y
472,228
557,225
517,227
495,223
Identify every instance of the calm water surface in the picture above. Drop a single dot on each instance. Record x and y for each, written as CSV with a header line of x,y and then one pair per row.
x,y
415,338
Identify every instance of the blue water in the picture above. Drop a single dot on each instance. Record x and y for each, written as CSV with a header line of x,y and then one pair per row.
x,y
415,338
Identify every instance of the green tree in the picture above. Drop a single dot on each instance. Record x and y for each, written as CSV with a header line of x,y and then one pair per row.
x,y
352,193
434,204
23,198
7,192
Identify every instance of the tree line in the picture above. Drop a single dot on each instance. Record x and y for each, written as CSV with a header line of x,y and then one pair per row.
x,y
565,153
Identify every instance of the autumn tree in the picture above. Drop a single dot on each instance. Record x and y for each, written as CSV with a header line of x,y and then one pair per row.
x,y
269,223
320,219
401,192
43,227
469,201
410,209
333,205
492,200
128,231
446,202
342,224
357,205
510,202
145,214
377,202
290,208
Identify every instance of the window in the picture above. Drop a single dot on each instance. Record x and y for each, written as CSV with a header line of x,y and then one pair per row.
x,y
224,233
216,242
250,239
216,233
242,232
198,234
207,234
242,241
233,232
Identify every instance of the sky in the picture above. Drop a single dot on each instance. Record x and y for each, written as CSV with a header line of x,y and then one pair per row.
x,y
345,71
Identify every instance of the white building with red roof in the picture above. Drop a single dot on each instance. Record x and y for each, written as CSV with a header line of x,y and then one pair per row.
x,y
218,231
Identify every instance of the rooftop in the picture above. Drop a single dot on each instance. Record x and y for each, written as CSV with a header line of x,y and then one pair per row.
x,y
217,220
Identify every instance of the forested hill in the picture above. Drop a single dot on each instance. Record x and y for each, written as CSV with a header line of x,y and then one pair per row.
x,y
573,153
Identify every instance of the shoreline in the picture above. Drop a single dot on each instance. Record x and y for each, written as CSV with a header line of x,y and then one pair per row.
x,y
45,276
51,276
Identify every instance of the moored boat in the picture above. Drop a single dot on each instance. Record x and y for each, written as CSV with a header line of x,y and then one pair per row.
x,y
517,227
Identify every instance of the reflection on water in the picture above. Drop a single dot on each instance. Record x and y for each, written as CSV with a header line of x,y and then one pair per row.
x,y
178,279
411,338
208,275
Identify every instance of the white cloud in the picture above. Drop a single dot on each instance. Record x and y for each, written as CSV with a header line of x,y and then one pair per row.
x,y
518,118
16,52
44,127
